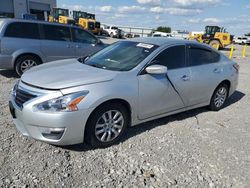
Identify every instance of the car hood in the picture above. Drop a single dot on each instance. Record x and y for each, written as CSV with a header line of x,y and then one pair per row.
x,y
65,74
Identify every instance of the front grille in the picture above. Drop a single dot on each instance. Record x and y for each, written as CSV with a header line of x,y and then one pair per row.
x,y
22,96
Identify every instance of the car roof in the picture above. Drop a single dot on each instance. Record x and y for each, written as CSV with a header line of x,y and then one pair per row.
x,y
162,41
10,20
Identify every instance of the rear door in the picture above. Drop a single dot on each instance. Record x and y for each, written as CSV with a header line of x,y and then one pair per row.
x,y
84,43
57,43
206,73
159,94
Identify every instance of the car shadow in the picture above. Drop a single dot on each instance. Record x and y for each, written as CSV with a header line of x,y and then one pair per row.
x,y
139,129
9,73
227,49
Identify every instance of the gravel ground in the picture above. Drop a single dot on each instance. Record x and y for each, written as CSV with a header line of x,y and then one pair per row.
x,y
197,148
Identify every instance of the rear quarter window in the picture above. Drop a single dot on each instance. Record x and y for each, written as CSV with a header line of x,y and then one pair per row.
x,y
22,30
202,56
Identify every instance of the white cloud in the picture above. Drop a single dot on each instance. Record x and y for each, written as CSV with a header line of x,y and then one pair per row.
x,y
104,8
196,20
78,7
196,3
248,6
211,20
131,9
176,11
149,2
157,17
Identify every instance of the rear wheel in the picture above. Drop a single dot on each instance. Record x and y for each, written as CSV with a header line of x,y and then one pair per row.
x,y
215,44
219,97
25,62
106,125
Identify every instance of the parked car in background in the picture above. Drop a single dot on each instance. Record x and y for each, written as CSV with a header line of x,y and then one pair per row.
x,y
161,34
242,40
26,43
113,31
94,99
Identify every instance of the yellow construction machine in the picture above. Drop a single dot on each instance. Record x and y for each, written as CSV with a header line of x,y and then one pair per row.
x,y
215,36
61,15
82,20
97,29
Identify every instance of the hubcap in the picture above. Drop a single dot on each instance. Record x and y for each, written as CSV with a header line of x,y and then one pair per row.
x,y
220,97
27,64
109,126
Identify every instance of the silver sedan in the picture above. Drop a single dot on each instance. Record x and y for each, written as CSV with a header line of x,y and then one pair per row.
x,y
94,99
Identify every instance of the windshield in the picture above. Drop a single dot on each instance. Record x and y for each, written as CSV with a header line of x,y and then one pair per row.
x,y
63,12
212,30
121,56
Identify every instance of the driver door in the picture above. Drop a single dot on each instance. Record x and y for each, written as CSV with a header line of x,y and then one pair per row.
x,y
160,94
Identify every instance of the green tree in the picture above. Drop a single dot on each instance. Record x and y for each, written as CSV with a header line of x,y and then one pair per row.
x,y
164,29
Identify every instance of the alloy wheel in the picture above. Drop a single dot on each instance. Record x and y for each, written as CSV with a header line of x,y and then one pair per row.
x,y
109,126
220,97
27,64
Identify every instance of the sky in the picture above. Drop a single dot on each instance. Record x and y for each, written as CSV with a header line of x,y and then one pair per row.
x,y
190,15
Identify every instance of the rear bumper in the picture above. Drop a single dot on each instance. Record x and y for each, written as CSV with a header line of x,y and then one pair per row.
x,y
6,62
234,84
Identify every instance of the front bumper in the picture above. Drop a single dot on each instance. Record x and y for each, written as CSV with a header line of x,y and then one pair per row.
x,y
31,123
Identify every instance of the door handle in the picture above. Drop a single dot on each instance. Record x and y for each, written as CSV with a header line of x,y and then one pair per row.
x,y
217,70
185,78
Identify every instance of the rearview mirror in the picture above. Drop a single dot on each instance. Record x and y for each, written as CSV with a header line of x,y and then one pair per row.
x,y
157,69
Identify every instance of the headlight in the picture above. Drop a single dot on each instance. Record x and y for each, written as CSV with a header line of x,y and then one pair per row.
x,y
67,103
13,91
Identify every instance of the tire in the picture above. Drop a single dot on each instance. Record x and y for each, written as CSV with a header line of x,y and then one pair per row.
x,y
219,97
27,61
97,131
215,44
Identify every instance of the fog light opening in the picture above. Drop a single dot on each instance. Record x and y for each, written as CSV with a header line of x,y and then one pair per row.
x,y
52,133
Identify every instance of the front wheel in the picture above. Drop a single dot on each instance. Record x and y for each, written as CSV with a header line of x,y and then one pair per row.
x,y
219,97
106,125
215,44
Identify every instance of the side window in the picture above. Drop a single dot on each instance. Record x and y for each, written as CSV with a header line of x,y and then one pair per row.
x,y
83,37
22,30
172,57
201,56
54,32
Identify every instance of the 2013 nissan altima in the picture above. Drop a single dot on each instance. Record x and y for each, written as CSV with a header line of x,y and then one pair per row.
x,y
95,99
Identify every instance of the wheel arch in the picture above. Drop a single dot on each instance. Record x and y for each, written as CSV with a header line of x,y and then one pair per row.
x,y
227,82
123,102
24,54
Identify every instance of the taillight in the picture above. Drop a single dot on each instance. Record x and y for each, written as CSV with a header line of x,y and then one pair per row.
x,y
237,67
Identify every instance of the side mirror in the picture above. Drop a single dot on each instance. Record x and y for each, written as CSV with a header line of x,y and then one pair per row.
x,y
157,69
